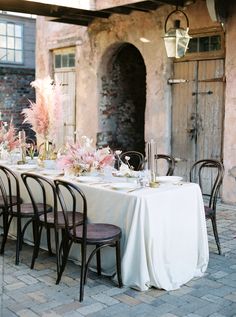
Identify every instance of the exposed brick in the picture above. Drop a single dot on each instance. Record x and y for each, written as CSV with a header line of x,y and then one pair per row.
x,y
15,93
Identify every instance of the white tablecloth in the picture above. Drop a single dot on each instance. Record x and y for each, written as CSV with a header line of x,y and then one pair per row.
x,y
164,237
164,233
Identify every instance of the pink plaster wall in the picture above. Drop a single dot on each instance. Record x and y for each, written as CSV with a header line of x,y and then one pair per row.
x,y
92,46
229,185
97,44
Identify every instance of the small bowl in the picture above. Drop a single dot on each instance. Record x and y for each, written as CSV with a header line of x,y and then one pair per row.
x,y
49,164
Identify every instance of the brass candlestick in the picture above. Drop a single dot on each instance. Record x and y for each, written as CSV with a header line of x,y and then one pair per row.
x,y
22,147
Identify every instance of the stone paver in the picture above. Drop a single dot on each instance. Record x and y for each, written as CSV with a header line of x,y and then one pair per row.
x,y
33,293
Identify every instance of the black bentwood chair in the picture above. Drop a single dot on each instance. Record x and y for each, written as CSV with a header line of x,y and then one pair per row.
x,y
207,168
12,206
98,234
43,189
136,160
168,160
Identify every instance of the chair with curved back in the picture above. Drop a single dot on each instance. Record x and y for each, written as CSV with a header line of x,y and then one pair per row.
x,y
99,235
13,207
136,159
201,172
167,160
42,189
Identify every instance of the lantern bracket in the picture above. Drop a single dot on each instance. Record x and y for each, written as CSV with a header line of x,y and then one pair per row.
x,y
174,12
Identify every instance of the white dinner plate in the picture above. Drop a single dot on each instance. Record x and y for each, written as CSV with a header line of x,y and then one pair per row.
x,y
88,179
123,185
4,162
169,179
26,167
51,172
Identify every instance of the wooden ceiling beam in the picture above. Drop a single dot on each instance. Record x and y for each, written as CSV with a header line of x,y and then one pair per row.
x,y
80,16
118,10
46,9
180,3
145,6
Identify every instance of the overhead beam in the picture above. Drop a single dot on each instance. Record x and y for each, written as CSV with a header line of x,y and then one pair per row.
x,y
145,6
69,11
170,2
118,10
32,7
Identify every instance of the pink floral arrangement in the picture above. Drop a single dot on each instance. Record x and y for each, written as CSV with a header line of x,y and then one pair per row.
x,y
45,115
8,138
82,157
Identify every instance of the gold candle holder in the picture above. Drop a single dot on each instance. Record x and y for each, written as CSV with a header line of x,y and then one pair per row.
x,y
153,183
22,142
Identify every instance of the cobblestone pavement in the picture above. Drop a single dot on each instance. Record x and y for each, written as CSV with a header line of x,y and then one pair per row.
x,y
31,293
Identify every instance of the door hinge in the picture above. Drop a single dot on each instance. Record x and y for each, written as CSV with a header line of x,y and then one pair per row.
x,y
177,81
218,79
209,92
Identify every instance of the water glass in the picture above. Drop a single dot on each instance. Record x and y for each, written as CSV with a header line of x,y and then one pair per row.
x,y
144,178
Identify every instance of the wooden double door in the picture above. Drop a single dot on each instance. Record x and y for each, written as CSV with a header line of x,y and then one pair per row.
x,y
197,112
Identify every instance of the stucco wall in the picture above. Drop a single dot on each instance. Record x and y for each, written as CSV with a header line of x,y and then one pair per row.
x,y
92,47
229,185
95,45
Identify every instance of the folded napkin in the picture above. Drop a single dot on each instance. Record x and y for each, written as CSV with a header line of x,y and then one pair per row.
x,y
126,171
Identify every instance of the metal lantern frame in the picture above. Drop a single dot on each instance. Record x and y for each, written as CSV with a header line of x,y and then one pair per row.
x,y
176,38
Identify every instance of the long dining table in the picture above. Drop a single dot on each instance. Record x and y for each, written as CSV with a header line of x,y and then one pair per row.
x,y
164,237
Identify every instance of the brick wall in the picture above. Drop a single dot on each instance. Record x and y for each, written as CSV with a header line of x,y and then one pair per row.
x,y
15,93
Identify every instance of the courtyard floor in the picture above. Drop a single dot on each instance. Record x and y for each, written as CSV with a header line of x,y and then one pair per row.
x,y
32,293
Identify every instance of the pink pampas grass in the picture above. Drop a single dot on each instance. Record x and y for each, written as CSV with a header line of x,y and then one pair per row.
x,y
10,138
45,115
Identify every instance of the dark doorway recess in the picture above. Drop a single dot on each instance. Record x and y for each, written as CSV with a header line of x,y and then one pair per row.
x,y
123,100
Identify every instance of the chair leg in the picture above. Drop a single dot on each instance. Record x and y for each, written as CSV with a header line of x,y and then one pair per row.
x,y
49,241
37,235
57,251
65,246
6,226
98,256
95,251
118,264
34,228
23,232
83,271
18,240
215,231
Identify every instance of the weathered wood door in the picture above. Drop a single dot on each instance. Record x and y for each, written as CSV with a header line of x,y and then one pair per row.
x,y
67,78
64,72
197,112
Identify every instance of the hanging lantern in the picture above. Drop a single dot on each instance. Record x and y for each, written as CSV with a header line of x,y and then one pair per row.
x,y
176,38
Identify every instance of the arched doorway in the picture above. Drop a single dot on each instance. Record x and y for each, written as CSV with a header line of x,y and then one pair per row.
x,y
123,99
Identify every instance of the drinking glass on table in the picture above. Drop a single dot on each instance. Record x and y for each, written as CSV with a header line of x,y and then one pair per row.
x,y
144,177
107,171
